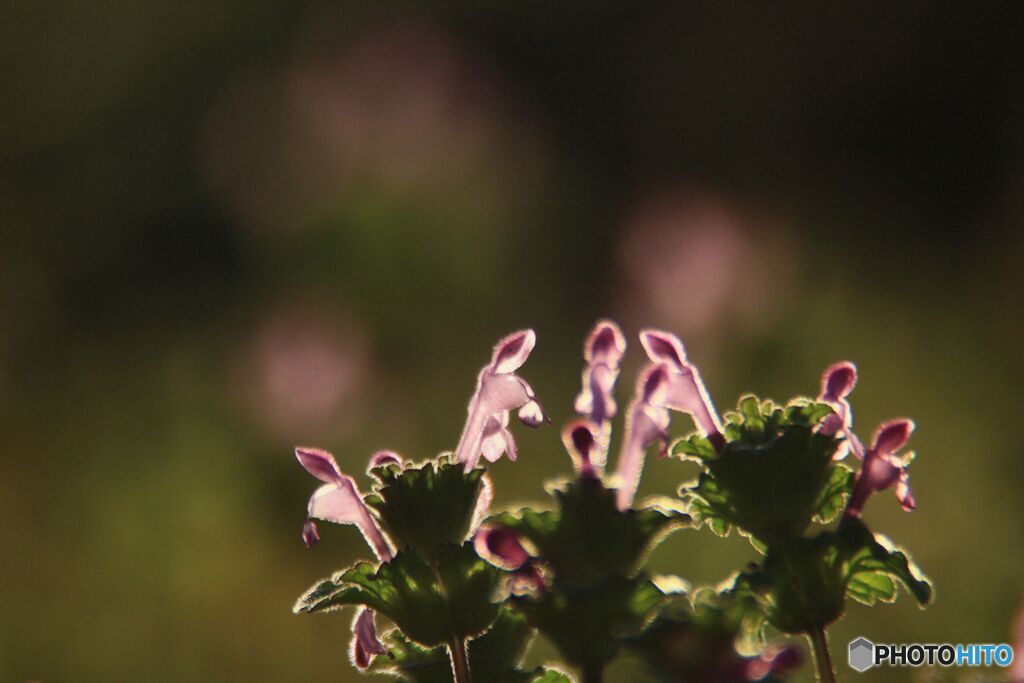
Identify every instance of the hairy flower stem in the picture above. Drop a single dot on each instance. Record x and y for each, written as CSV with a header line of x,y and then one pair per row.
x,y
460,661
822,659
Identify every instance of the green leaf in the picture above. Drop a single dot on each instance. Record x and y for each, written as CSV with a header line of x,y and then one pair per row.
x,y
424,507
588,540
833,497
495,656
431,602
774,474
803,582
867,557
588,627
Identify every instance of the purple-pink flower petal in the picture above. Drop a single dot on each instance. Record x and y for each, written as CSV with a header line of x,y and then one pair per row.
x,y
581,439
500,546
365,644
319,463
837,382
685,391
883,468
310,534
384,458
603,351
341,503
499,391
646,423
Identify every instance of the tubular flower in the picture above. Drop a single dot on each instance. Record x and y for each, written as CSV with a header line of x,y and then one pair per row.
x,y
603,351
365,644
685,391
836,384
779,661
383,459
498,391
338,501
647,420
883,468
501,547
581,441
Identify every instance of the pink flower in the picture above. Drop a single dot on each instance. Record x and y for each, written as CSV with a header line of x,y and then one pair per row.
x,y
883,468
774,660
339,501
581,439
365,644
498,391
647,420
501,547
836,384
603,351
685,391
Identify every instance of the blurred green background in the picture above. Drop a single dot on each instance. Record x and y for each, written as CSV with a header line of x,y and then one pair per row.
x,y
229,228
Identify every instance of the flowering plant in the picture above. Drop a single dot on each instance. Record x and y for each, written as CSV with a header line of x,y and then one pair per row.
x,y
466,589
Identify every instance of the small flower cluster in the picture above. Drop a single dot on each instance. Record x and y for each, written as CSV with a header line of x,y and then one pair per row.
x,y
465,589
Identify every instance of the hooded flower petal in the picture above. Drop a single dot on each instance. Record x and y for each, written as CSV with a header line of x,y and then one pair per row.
x,y
685,391
500,546
646,423
499,391
365,644
603,351
581,440
883,468
339,501
383,459
836,384
319,463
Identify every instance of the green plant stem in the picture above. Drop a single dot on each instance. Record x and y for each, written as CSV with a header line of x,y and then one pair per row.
x,y
593,673
822,659
460,661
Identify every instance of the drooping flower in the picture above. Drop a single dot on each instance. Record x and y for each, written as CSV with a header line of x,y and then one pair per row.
x,y
647,420
774,660
836,384
338,501
685,391
498,391
365,644
581,439
883,468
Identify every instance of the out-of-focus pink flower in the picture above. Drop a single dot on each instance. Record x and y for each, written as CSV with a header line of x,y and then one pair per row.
x,y
883,468
778,660
685,391
1017,668
365,644
697,262
338,501
647,420
498,391
836,384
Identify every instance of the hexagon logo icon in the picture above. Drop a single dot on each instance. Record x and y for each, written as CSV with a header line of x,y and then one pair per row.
x,y
862,654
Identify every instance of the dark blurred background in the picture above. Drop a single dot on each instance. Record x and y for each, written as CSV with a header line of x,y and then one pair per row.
x,y
228,228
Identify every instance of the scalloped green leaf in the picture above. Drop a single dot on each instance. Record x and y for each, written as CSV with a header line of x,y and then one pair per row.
x,y
588,540
495,656
774,474
589,627
424,507
431,602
